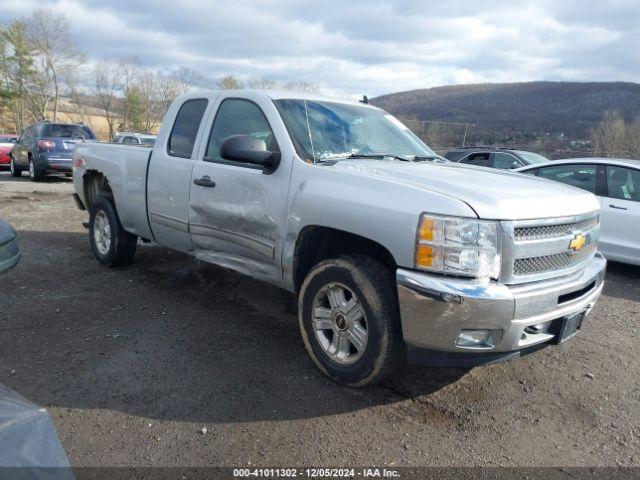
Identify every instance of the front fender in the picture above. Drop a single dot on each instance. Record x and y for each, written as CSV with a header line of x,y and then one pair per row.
x,y
382,210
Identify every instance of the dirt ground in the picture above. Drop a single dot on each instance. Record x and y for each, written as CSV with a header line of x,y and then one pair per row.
x,y
133,363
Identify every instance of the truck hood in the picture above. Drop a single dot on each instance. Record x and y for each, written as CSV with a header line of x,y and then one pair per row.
x,y
492,194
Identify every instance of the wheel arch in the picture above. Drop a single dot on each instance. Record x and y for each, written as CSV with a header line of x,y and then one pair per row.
x,y
95,184
316,243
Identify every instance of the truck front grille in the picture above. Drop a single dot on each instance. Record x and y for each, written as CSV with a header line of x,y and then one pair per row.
x,y
553,231
551,263
539,249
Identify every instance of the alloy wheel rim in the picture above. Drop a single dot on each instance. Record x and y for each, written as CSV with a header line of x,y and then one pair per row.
x,y
339,323
102,232
32,169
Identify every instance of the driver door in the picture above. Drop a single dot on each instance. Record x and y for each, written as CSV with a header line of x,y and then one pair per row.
x,y
237,210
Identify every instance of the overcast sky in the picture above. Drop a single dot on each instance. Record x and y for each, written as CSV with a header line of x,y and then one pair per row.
x,y
353,47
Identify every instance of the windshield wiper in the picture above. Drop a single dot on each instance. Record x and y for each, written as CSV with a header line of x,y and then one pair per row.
x,y
364,155
420,158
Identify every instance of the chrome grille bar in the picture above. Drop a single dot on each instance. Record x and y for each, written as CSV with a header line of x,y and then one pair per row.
x,y
552,231
551,263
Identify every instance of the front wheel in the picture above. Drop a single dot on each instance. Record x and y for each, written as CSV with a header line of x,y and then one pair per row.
x,y
349,320
15,170
112,245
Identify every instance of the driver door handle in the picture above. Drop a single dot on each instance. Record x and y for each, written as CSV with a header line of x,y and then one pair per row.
x,y
617,207
204,182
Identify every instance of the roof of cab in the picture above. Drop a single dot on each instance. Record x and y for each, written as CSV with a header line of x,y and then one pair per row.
x,y
274,95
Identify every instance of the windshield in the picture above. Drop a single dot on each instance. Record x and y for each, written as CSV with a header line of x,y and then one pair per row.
x,y
67,131
326,130
532,158
148,140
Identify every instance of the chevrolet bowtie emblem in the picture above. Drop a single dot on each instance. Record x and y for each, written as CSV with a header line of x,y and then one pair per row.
x,y
577,242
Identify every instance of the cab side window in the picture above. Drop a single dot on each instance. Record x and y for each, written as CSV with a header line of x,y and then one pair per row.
x,y
185,128
505,161
479,159
238,117
578,175
623,183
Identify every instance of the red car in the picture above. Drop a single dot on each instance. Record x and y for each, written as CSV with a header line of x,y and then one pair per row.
x,y
7,141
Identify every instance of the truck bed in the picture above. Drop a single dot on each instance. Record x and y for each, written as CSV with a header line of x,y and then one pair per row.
x,y
126,168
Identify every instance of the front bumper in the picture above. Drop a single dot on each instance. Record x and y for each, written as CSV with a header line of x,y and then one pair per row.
x,y
434,309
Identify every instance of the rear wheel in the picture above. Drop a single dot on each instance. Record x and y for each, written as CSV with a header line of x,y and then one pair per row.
x,y
15,170
349,320
111,244
34,174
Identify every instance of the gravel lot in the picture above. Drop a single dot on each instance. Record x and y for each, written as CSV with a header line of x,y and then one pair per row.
x,y
132,363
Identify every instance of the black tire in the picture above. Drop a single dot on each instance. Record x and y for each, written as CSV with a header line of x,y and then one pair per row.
x,y
15,170
34,173
122,244
374,286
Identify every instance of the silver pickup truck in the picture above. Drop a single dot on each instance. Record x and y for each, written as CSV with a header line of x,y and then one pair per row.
x,y
394,255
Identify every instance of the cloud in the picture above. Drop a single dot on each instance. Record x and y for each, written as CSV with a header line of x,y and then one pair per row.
x,y
356,47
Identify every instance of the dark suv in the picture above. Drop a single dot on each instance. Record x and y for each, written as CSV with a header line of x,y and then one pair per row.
x,y
47,147
494,157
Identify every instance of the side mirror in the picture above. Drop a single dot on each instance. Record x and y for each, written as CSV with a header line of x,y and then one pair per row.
x,y
248,149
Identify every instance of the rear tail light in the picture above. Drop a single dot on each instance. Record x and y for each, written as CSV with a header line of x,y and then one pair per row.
x,y
46,144
78,162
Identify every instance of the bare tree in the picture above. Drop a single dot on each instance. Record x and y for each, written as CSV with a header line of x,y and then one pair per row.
x,y
109,85
301,86
263,83
229,82
55,53
169,87
129,68
633,138
149,88
609,138
192,78
79,108
293,85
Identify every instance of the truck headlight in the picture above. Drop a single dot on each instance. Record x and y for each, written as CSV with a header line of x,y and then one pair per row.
x,y
458,246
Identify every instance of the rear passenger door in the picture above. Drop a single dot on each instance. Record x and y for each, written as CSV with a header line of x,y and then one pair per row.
x,y
169,176
620,237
